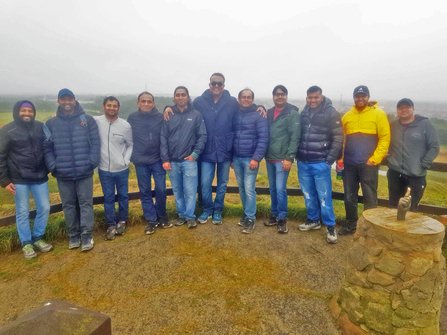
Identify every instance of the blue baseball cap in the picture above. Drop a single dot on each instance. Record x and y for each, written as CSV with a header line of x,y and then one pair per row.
x,y
65,91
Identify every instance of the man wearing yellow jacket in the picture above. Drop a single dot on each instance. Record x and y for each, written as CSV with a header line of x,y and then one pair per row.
x,y
367,138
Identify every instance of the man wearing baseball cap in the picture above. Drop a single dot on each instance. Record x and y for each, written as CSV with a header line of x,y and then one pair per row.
x,y
72,151
413,148
367,137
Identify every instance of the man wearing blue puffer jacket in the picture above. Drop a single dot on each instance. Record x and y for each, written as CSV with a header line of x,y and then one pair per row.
x,y
251,139
72,152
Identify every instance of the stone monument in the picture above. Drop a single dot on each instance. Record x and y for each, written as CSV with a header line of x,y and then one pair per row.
x,y
395,275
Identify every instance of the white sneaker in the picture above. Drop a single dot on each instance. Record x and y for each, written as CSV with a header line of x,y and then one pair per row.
x,y
331,235
88,245
310,225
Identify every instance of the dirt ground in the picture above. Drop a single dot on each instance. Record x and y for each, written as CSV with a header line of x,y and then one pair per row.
x,y
210,280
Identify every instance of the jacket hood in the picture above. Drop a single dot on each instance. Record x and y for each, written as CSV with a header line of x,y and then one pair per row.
x,y
371,105
287,109
78,110
209,96
16,110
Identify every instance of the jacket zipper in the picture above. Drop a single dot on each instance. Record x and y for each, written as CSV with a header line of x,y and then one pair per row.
x,y
108,143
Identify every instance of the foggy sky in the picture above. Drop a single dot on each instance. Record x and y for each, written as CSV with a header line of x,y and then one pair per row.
x,y
396,48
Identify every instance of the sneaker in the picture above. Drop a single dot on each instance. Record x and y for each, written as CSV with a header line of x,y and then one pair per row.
x,y
74,243
331,235
87,244
282,227
43,246
217,218
310,225
180,222
150,229
192,223
249,226
346,231
110,233
241,221
29,252
204,217
164,223
120,228
271,222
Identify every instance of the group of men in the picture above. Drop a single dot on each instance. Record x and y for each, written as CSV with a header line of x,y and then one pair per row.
x,y
194,142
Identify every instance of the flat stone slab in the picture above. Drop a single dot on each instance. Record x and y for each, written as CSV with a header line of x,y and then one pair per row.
x,y
59,317
414,223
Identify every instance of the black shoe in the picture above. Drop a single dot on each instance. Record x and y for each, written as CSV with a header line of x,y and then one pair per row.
x,y
180,222
241,221
150,229
271,222
191,223
347,231
164,223
249,226
282,227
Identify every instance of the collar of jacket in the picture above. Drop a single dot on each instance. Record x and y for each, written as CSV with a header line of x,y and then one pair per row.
x,y
324,106
417,118
152,113
176,110
210,97
371,105
286,111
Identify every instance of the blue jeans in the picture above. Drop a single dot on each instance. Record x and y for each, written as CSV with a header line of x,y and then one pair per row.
x,y
108,182
144,172
208,171
278,189
183,176
77,203
42,199
316,184
246,180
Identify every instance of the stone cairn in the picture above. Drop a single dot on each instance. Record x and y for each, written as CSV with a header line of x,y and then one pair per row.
x,y
395,276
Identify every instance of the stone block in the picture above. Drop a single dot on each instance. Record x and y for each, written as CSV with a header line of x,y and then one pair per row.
x,y
373,251
357,278
403,331
397,321
423,320
419,266
62,318
378,277
358,258
405,313
390,266
349,328
379,317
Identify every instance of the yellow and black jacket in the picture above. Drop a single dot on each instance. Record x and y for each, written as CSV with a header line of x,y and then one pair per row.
x,y
367,135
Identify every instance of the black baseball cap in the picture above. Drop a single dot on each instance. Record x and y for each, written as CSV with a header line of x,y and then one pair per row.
x,y
65,91
361,89
405,101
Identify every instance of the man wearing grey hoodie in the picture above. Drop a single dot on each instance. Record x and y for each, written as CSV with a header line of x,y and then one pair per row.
x,y
113,168
413,148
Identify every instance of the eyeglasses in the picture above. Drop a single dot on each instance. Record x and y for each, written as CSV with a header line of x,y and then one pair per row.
x,y
217,83
280,95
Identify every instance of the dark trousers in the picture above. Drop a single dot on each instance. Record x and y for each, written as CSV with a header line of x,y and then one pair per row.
x,y
368,177
397,187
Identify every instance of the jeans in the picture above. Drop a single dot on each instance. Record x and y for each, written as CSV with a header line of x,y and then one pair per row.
x,y
208,171
183,176
246,180
108,182
278,189
77,203
316,184
41,197
144,172
397,187
368,177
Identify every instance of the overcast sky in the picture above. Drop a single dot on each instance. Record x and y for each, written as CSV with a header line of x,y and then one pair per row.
x,y
397,48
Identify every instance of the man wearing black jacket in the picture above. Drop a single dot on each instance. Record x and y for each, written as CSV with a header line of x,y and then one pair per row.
x,y
146,126
183,139
22,170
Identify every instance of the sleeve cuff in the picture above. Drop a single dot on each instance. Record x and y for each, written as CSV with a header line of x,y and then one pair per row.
x,y
194,155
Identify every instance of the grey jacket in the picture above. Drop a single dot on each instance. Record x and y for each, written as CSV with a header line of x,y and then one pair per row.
x,y
413,148
116,144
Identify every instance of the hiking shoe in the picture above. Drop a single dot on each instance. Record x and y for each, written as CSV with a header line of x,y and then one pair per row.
x,y
282,227
120,228
74,243
347,231
249,226
310,225
241,221
217,218
164,223
204,217
271,222
87,244
331,235
43,246
150,229
28,251
191,223
180,222
110,233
